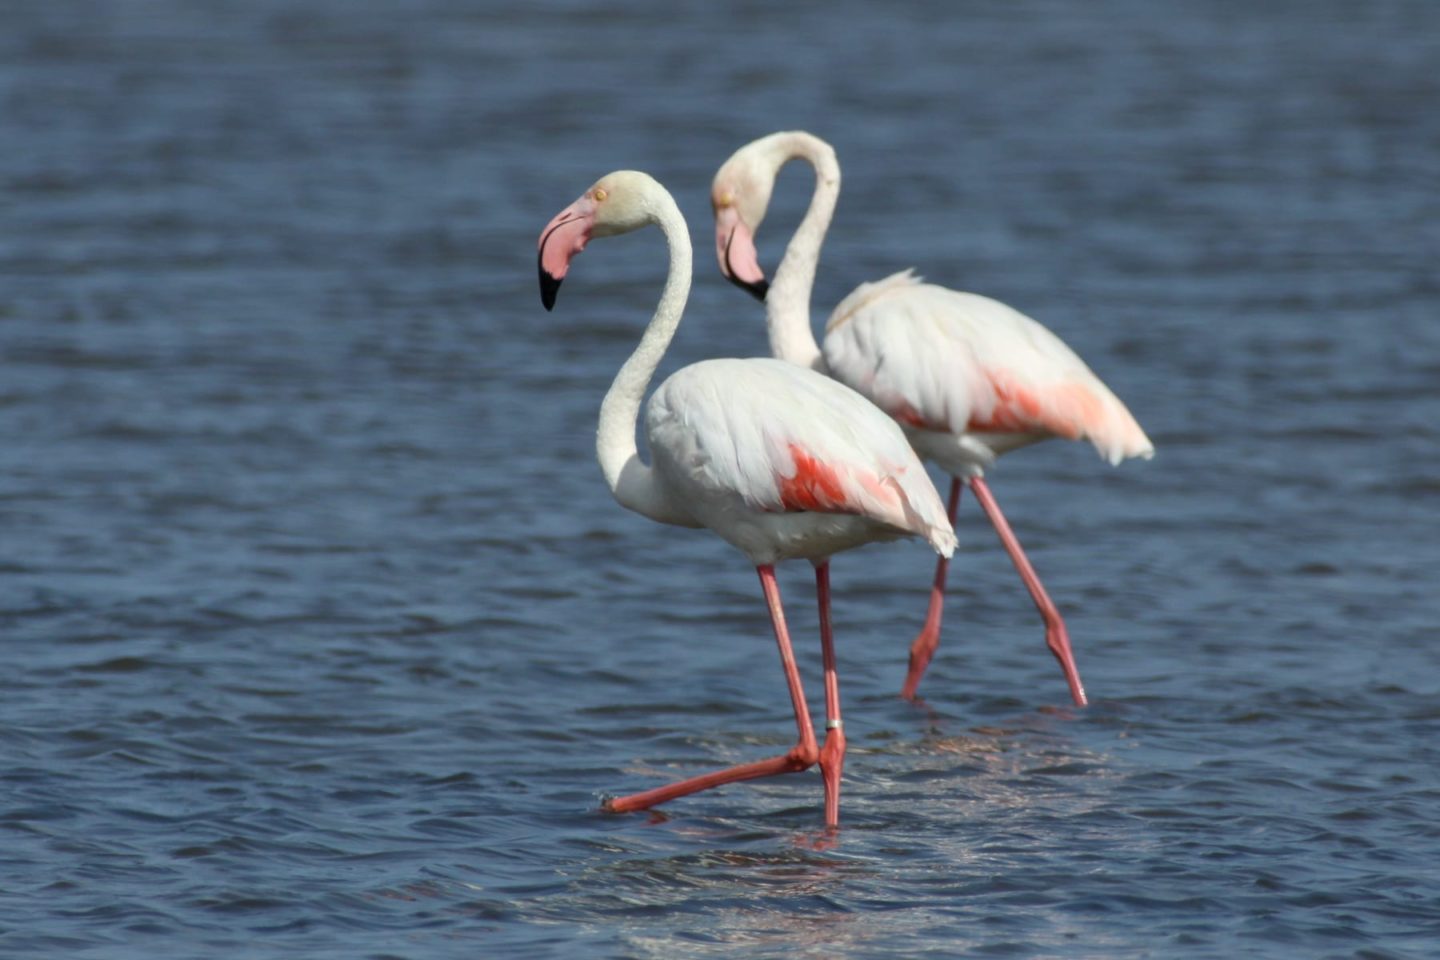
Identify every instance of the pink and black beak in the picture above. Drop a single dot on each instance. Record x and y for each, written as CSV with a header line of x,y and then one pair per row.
x,y
562,238
735,246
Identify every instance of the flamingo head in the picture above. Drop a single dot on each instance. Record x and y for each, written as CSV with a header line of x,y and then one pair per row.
x,y
617,203
740,194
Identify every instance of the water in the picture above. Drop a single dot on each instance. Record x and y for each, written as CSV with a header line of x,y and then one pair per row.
x,y
325,637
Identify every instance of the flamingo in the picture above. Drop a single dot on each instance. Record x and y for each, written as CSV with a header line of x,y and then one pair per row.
x,y
782,462
968,378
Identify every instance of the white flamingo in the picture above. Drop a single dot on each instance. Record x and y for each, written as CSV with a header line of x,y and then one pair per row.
x,y
781,462
967,377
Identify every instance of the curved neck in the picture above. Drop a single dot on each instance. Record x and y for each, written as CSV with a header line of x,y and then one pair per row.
x,y
632,481
787,305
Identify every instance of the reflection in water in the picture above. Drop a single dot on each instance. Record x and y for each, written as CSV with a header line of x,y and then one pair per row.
x,y
1022,792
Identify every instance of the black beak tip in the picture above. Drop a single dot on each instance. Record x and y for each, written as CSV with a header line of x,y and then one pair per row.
x,y
758,289
549,286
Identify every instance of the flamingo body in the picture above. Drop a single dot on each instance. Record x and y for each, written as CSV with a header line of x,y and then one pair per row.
x,y
969,377
780,461
784,463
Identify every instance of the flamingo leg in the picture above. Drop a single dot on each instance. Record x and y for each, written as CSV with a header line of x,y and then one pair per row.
x,y
929,637
1057,638
832,754
802,756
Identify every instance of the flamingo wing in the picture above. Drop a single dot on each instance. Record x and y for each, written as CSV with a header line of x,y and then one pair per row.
x,y
781,439
942,360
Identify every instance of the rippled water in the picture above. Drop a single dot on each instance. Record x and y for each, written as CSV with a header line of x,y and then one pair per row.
x,y
324,637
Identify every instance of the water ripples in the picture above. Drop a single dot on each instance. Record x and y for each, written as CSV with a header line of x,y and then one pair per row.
x,y
326,639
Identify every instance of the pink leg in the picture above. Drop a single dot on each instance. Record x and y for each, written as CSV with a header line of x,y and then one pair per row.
x,y
832,754
802,756
929,637
1056,636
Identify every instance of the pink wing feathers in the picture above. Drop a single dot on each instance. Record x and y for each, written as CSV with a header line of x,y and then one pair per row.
x,y
955,362
783,439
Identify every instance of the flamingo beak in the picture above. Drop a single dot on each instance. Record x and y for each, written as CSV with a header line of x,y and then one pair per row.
x,y
735,246
562,238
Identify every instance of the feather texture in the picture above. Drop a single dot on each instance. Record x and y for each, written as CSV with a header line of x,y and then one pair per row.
x,y
776,442
945,362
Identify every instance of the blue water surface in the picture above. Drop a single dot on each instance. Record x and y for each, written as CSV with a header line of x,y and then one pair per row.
x,y
324,637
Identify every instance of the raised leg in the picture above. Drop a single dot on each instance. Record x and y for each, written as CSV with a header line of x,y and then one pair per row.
x,y
929,637
802,756
1056,636
832,754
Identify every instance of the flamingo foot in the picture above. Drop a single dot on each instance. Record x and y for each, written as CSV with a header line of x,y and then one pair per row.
x,y
921,651
1057,638
802,756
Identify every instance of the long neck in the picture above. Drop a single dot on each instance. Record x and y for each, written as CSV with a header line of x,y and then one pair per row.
x,y
787,304
631,481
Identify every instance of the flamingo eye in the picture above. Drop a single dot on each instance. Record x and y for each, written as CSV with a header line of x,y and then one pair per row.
x,y
599,194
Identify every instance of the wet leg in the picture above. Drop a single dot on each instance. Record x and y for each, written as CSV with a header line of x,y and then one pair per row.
x,y
832,754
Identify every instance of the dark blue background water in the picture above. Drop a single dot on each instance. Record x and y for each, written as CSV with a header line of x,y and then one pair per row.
x,y
323,636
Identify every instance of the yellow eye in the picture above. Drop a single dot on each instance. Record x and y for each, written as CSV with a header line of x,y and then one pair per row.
x,y
600,194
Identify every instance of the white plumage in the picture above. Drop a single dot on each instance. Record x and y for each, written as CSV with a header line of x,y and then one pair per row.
x,y
780,461
784,463
967,377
